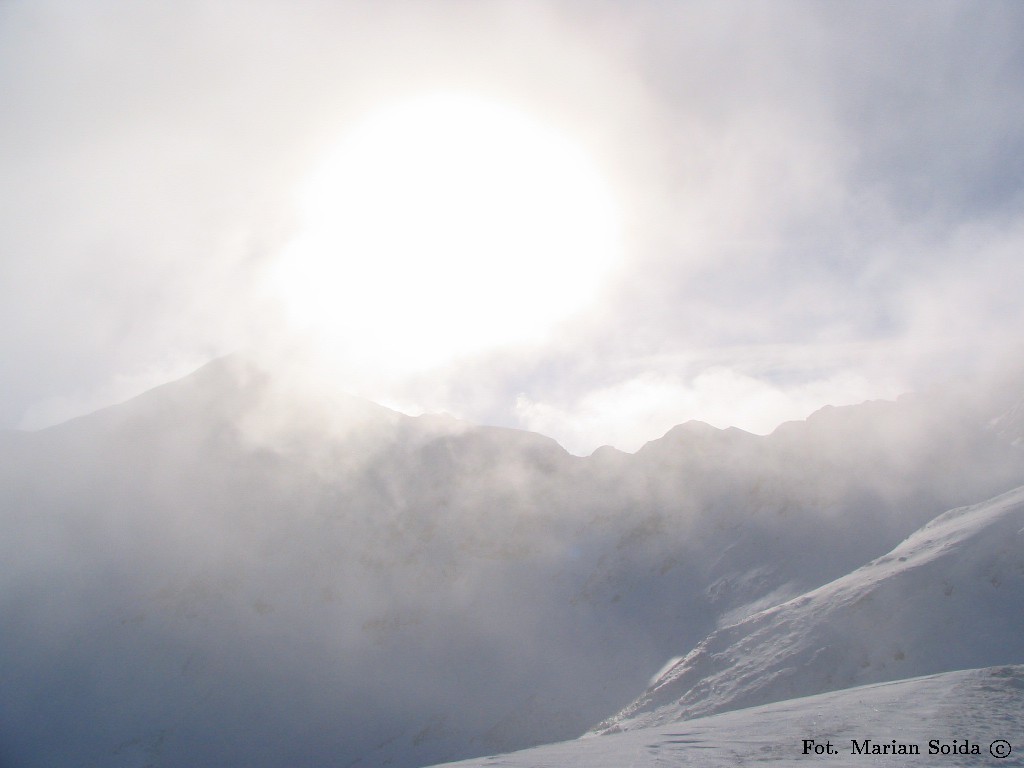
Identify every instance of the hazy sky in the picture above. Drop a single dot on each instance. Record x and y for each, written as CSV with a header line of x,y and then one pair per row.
x,y
805,203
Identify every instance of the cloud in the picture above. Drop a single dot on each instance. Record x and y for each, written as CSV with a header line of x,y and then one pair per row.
x,y
627,414
790,175
151,158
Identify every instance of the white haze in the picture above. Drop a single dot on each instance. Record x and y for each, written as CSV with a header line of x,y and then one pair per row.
x,y
226,572
821,203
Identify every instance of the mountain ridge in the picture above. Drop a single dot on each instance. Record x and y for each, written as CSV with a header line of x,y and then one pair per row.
x,y
832,636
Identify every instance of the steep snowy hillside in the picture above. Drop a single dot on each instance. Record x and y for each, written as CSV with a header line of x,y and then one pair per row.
x,y
950,597
239,569
938,714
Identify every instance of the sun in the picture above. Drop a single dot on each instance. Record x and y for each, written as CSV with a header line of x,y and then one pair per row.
x,y
442,226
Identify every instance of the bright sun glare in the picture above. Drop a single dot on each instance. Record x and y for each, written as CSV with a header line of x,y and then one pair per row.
x,y
442,226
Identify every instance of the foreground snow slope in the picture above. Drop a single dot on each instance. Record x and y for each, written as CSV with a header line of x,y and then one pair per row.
x,y
949,597
978,706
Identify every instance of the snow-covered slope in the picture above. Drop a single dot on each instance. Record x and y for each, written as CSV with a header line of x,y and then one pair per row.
x,y
236,570
978,708
949,597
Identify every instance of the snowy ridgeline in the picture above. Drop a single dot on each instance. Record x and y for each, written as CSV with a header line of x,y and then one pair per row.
x,y
220,572
962,718
949,597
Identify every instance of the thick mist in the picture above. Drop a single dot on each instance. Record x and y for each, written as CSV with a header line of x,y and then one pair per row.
x,y
234,569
